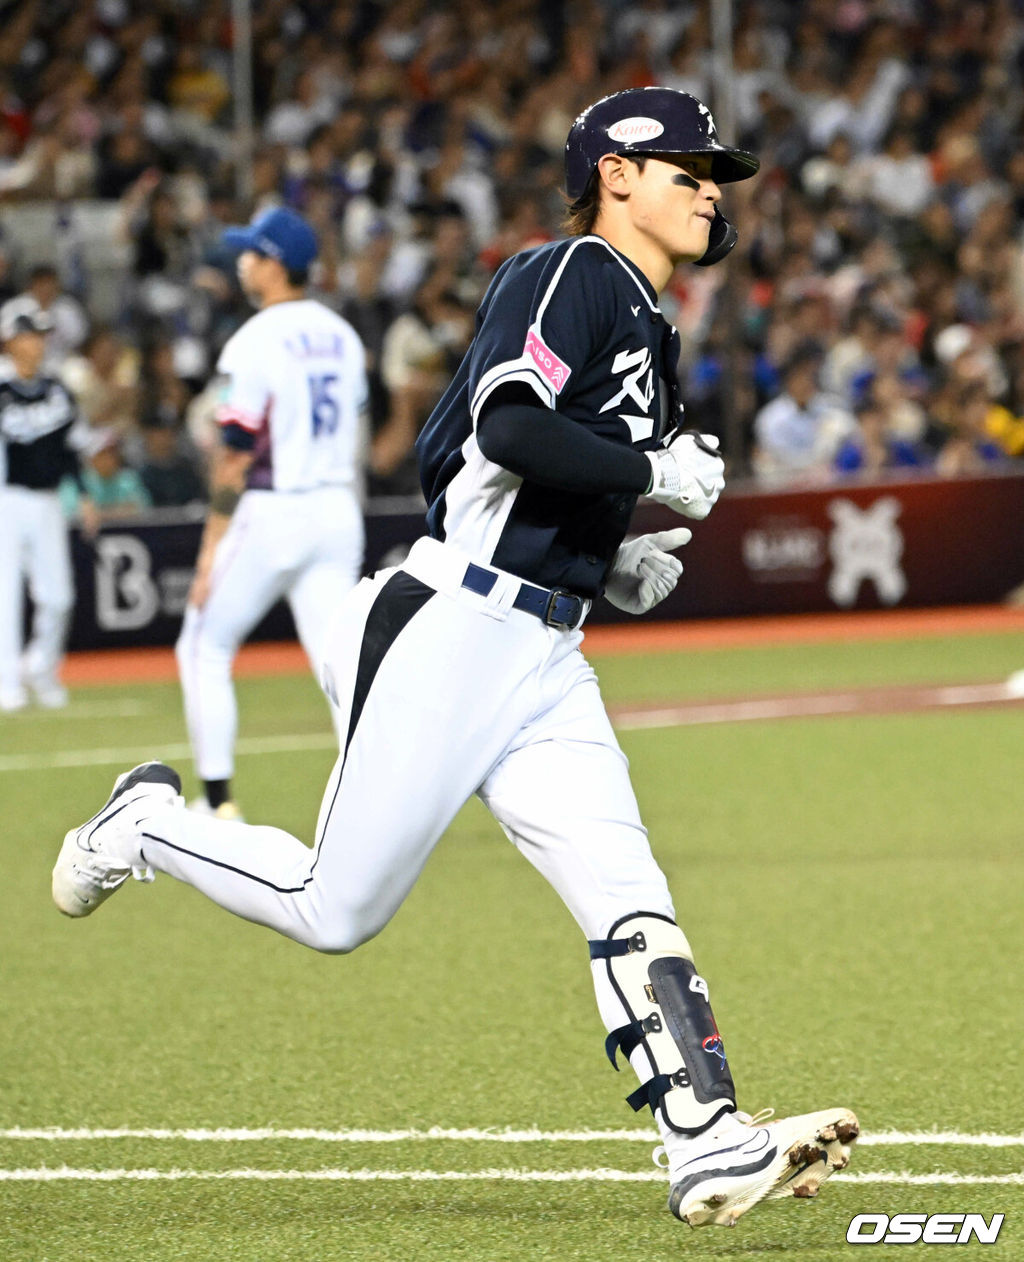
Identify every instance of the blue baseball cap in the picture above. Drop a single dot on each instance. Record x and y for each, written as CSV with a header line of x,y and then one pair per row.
x,y
278,233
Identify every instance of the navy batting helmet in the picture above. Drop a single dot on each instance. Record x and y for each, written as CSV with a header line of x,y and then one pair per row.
x,y
655,121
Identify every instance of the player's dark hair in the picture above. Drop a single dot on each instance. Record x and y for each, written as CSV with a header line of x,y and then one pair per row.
x,y
581,215
298,277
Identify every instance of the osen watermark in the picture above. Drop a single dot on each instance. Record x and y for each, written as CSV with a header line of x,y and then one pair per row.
x,y
923,1228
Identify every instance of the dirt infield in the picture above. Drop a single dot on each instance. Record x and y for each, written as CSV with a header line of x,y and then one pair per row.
x,y
105,666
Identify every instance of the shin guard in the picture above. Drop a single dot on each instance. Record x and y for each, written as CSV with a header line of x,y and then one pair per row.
x,y
647,961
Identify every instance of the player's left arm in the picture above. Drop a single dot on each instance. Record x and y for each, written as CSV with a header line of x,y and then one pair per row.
x,y
544,446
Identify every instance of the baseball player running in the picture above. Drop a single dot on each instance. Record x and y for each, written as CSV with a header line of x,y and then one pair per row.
x,y
284,517
460,672
39,431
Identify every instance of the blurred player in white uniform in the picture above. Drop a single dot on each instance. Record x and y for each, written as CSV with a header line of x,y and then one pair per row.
x,y
39,430
284,518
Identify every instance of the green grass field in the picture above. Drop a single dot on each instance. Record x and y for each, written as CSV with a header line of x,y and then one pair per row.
x,y
853,887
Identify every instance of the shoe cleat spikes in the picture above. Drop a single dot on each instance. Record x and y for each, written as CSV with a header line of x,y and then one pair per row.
x,y
806,1191
806,1155
807,1149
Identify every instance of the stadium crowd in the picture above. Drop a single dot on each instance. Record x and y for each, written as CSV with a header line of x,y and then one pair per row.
x,y
870,320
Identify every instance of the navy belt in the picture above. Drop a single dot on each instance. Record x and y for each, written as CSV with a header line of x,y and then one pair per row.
x,y
555,606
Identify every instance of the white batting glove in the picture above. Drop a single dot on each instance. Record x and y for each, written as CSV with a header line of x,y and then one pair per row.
x,y
643,573
689,474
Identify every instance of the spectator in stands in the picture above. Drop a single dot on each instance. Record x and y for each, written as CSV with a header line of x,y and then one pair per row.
x,y
66,314
314,167
197,90
293,122
112,486
164,395
899,179
32,174
104,378
169,469
421,351
852,355
522,225
1006,429
875,448
797,434
371,313
164,252
830,175
8,289
126,154
969,448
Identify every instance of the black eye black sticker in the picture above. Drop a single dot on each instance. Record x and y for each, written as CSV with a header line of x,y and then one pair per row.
x,y
687,181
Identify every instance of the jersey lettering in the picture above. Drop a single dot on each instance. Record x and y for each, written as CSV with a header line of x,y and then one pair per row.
x,y
637,387
26,422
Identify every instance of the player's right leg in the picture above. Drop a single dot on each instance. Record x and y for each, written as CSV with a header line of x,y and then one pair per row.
x,y
245,584
564,797
720,1162
409,668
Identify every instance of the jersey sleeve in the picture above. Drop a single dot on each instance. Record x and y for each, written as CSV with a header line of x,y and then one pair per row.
x,y
540,327
244,389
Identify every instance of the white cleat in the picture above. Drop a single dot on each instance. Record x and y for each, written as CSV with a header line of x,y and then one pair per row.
x,y
12,700
717,1179
97,858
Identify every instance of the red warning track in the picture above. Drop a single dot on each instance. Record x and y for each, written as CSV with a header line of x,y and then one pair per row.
x,y
107,666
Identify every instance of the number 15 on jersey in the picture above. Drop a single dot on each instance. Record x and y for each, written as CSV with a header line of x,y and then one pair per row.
x,y
323,403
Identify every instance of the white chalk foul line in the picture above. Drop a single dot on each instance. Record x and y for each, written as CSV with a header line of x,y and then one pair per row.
x,y
124,709
730,711
469,1134
65,1173
125,755
56,1174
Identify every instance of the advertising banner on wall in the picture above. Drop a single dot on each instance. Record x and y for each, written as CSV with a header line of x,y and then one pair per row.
x,y
885,545
877,546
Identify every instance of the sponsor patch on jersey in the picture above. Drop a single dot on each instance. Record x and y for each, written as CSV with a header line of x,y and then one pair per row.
x,y
630,130
551,367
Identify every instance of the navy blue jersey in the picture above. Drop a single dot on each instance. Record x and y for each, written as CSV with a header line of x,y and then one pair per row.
x,y
577,323
36,418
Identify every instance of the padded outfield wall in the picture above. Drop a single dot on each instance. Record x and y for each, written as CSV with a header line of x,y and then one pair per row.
x,y
857,546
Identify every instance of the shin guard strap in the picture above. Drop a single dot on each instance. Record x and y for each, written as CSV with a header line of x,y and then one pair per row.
x,y
627,1037
650,1094
606,948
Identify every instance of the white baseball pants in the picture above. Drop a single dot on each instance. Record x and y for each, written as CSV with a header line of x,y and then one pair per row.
x,y
33,545
440,693
304,546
